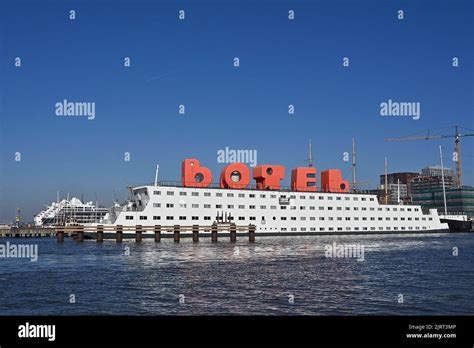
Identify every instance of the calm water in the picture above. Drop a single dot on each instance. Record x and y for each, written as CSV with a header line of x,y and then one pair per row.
x,y
243,278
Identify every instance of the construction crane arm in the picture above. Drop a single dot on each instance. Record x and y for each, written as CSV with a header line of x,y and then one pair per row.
x,y
427,137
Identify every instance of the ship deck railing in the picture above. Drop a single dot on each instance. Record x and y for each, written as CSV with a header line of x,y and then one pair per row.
x,y
249,187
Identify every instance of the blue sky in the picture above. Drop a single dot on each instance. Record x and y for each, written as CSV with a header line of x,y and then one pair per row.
x,y
190,62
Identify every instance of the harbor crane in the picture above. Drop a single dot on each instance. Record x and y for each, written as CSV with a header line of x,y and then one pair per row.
x,y
457,146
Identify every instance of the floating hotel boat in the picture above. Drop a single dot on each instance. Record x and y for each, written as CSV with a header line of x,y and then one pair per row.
x,y
301,209
71,211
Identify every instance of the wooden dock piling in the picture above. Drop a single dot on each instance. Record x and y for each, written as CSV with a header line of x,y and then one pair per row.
x,y
119,233
214,233
251,233
60,235
157,230
233,233
138,233
176,233
79,233
100,233
195,233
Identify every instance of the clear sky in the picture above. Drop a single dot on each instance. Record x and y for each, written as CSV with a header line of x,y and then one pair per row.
x,y
190,62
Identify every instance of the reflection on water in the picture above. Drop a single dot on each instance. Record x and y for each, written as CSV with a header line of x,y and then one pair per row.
x,y
243,278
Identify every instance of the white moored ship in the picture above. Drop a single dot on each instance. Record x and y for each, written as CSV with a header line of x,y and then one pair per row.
x,y
301,209
70,211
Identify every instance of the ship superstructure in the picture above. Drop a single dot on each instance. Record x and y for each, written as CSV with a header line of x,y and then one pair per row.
x,y
70,211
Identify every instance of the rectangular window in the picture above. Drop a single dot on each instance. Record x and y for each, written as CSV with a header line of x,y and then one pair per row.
x,y
195,194
157,193
156,217
182,193
170,193
128,217
156,205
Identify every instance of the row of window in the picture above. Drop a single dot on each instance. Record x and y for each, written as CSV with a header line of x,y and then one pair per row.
x,y
282,218
283,207
322,229
253,195
303,229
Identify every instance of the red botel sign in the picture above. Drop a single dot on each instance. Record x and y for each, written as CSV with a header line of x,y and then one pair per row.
x,y
267,177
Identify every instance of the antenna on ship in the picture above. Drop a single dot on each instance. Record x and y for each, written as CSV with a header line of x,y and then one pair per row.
x,y
353,166
442,179
156,174
310,160
386,181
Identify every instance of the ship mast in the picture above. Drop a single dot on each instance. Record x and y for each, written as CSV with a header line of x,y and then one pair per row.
x,y
156,174
310,153
442,180
353,166
386,181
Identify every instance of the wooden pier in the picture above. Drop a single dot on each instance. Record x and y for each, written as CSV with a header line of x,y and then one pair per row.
x,y
27,232
100,232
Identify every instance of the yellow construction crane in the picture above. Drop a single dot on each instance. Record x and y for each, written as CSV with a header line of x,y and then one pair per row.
x,y
457,146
